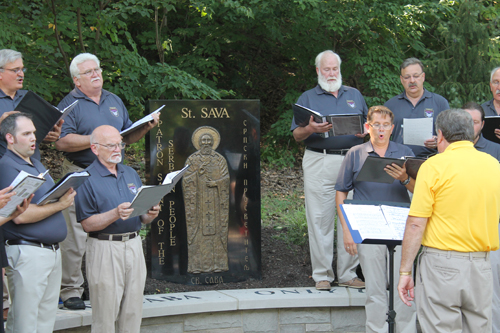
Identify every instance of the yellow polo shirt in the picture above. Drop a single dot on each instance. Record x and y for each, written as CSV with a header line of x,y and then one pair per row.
x,y
459,191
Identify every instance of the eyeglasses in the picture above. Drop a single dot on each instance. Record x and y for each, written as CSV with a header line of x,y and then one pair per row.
x,y
15,70
91,71
112,147
415,76
495,83
384,126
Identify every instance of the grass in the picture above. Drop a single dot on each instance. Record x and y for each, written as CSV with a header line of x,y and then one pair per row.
x,y
286,213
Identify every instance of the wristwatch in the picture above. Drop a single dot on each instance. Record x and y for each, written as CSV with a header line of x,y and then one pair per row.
x,y
406,182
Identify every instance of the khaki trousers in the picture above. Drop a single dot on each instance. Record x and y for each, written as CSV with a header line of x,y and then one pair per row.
x,y
320,176
495,269
453,291
34,276
116,272
6,303
374,261
72,248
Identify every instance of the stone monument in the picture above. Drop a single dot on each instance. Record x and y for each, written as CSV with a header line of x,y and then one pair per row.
x,y
208,230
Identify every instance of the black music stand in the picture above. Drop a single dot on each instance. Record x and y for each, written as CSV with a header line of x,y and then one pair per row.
x,y
391,245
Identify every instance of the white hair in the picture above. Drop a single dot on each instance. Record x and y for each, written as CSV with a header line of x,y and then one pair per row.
x,y
493,73
7,56
319,57
82,57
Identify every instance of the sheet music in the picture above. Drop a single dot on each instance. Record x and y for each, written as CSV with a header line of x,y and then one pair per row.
x,y
23,189
396,217
369,221
417,130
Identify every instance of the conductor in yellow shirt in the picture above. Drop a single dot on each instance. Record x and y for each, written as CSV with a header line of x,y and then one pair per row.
x,y
454,215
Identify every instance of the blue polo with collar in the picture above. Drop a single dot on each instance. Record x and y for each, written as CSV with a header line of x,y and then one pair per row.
x,y
489,108
103,191
87,116
8,104
429,106
488,147
49,230
349,100
352,164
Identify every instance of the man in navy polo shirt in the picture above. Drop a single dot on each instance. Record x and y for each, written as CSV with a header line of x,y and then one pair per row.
x,y
32,239
415,102
321,164
116,269
492,107
374,258
480,143
11,81
96,107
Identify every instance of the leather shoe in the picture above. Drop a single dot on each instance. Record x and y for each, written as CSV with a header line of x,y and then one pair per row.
x,y
323,285
74,303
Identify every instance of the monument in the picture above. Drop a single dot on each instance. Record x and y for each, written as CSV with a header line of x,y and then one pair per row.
x,y
208,230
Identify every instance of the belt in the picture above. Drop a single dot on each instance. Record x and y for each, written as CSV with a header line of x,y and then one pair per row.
x,y
329,151
469,255
54,246
114,237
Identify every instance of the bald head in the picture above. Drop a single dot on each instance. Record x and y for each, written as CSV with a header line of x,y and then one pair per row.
x,y
106,144
103,132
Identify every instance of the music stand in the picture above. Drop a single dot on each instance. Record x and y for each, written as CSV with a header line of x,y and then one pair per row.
x,y
391,245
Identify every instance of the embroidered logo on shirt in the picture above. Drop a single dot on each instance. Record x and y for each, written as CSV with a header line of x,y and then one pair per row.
x,y
132,188
114,111
429,113
351,104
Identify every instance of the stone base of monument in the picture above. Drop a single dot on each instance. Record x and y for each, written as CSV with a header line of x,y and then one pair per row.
x,y
293,310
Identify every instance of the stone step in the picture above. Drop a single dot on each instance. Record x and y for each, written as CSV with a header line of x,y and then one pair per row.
x,y
284,310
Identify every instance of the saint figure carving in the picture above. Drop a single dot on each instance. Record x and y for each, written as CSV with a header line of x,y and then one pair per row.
x,y
206,196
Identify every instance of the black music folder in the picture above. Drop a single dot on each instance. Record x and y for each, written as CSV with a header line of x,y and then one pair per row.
x,y
373,169
45,115
343,124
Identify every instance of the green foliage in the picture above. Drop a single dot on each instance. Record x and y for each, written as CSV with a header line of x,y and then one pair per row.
x,y
286,213
254,49
463,62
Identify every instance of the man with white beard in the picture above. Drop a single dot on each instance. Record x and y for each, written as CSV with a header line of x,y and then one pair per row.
x,y
321,164
492,107
115,264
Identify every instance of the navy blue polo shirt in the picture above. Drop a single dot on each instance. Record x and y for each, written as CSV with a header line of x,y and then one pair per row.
x,y
488,147
349,100
351,166
103,191
489,108
429,106
87,116
8,104
49,230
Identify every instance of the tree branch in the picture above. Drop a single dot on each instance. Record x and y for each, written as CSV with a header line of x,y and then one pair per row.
x,y
79,24
56,31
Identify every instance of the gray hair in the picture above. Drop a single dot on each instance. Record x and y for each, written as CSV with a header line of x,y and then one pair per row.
x,y
456,125
317,62
9,124
8,56
493,73
409,62
82,57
